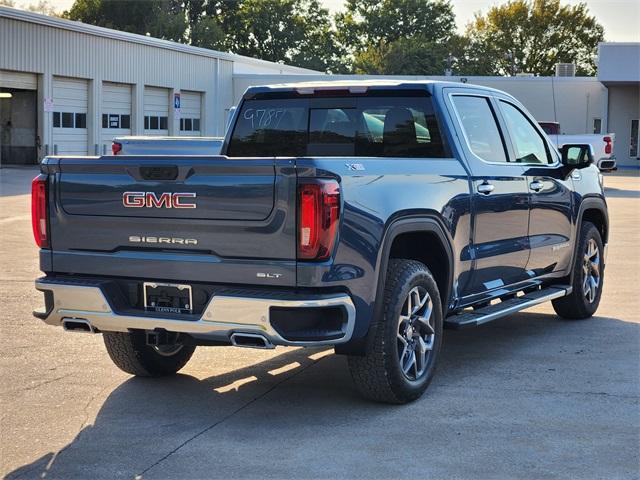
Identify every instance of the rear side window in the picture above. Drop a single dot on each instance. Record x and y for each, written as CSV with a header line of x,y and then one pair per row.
x,y
480,128
364,126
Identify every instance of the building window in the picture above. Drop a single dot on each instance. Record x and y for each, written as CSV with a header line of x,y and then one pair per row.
x,y
597,125
81,120
155,123
69,120
115,120
189,124
635,139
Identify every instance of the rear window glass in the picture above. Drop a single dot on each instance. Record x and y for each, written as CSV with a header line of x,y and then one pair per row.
x,y
364,126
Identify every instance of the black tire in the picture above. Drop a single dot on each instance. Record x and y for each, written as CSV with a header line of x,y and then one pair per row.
x,y
580,305
130,353
378,375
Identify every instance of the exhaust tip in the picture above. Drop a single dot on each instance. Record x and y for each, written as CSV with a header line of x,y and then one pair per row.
x,y
78,325
251,340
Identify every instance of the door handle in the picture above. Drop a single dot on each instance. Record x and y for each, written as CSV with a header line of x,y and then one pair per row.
x,y
485,188
536,186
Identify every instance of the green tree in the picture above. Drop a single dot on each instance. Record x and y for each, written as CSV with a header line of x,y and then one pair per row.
x,y
291,31
531,37
157,18
387,36
297,32
406,56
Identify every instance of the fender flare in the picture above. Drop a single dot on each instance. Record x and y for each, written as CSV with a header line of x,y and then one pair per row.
x,y
404,224
413,224
589,203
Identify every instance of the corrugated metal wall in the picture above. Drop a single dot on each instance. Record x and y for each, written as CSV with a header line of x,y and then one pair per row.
x,y
51,52
36,48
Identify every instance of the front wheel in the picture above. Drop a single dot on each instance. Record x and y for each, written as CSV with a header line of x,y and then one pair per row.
x,y
400,362
131,354
588,277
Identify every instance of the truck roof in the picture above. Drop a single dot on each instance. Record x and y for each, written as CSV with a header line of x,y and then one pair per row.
x,y
359,86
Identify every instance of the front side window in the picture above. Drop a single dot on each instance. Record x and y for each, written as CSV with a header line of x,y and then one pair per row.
x,y
368,126
480,128
528,144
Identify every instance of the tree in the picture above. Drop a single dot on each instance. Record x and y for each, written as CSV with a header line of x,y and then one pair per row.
x,y
406,56
531,37
297,32
292,31
157,18
385,36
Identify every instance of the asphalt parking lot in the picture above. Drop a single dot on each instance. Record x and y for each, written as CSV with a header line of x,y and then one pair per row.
x,y
531,396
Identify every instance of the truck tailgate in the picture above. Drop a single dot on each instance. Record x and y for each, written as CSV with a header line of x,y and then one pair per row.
x,y
201,219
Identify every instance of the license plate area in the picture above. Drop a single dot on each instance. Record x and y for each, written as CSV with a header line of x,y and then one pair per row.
x,y
167,297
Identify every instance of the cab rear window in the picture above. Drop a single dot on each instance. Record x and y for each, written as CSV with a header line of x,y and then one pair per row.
x,y
365,126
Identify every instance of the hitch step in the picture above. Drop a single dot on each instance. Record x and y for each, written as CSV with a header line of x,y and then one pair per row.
x,y
160,337
472,318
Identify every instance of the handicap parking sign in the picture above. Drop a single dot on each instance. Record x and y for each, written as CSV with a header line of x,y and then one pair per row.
x,y
176,100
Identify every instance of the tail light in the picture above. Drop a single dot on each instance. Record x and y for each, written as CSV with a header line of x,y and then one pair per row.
x,y
116,148
318,216
39,220
608,145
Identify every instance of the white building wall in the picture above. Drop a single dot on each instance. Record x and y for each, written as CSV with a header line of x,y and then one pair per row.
x,y
48,47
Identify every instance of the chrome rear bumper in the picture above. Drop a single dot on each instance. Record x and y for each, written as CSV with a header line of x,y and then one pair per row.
x,y
223,316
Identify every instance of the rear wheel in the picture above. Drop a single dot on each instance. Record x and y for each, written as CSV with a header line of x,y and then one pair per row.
x,y
588,277
130,352
401,360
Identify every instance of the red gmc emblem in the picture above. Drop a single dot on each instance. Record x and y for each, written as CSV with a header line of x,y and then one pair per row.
x,y
155,200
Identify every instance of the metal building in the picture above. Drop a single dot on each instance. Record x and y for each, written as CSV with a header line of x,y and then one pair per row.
x,y
69,88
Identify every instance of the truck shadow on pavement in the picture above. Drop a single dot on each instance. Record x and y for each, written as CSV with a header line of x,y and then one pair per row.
x,y
144,422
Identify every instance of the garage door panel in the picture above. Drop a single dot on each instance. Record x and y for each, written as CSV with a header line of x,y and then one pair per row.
x,y
70,131
156,111
20,80
116,113
190,113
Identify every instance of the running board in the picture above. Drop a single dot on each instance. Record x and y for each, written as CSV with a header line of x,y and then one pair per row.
x,y
472,318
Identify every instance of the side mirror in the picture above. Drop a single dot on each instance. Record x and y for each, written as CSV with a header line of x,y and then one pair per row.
x,y
577,155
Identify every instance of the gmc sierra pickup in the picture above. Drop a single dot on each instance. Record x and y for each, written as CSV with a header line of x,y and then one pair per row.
x,y
362,215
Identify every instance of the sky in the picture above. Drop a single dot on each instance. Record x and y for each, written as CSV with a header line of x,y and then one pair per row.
x,y
620,18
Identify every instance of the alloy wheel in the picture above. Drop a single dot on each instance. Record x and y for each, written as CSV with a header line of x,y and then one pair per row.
x,y
416,333
591,271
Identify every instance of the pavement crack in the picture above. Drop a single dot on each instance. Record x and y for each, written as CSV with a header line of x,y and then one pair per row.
x,y
226,417
553,392
46,382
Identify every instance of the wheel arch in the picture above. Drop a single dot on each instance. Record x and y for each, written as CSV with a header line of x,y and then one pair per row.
x,y
594,210
398,228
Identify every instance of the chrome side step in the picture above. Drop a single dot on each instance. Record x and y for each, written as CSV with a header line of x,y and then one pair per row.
x,y
472,318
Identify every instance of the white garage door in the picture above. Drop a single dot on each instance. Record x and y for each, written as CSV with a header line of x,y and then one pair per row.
x,y
23,81
70,116
190,113
116,113
156,111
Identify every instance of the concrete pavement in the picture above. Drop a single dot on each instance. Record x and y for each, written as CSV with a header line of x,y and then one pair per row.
x,y
531,396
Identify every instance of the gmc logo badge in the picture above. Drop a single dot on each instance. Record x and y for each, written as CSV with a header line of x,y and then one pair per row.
x,y
154,200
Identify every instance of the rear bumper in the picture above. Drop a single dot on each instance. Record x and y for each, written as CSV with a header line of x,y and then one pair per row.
x,y
224,314
607,164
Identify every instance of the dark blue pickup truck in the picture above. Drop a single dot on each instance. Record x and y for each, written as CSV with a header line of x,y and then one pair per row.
x,y
362,215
